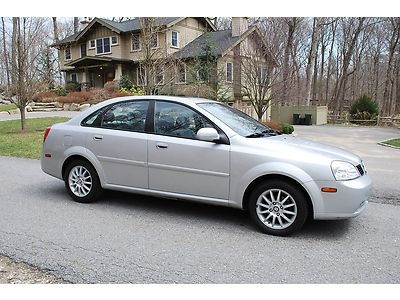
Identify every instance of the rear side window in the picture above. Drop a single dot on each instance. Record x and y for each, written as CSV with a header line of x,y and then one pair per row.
x,y
130,116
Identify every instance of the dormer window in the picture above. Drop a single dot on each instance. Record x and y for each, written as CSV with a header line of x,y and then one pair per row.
x,y
175,39
92,44
229,72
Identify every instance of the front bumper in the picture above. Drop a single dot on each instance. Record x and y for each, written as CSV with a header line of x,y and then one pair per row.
x,y
349,201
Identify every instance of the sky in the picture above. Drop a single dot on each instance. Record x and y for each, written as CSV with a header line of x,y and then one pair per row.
x,y
249,8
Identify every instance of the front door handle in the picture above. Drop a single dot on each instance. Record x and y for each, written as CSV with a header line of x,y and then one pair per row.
x,y
98,137
161,146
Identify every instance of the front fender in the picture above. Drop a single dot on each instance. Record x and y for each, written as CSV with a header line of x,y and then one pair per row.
x,y
239,186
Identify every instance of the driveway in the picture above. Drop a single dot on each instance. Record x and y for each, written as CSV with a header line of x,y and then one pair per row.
x,y
383,163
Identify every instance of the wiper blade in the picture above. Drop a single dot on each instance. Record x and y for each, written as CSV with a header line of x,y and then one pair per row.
x,y
256,135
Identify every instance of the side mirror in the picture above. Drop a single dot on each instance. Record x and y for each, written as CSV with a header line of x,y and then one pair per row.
x,y
208,135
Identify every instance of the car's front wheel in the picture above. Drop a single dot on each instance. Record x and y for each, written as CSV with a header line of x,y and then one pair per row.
x,y
278,207
82,182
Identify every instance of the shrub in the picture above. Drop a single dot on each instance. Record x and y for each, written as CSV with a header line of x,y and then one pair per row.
x,y
48,96
274,125
364,108
134,91
70,99
287,128
119,94
84,95
125,82
111,86
60,91
72,86
99,95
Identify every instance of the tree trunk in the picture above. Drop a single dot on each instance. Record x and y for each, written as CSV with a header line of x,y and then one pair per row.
x,y
389,72
340,93
328,72
288,49
5,54
13,51
311,61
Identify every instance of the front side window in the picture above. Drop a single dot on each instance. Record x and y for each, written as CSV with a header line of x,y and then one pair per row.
x,y
229,72
67,53
135,42
103,45
236,120
176,120
175,39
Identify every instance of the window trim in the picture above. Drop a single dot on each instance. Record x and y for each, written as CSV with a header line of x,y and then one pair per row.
x,y
103,38
70,77
116,43
65,53
226,71
178,77
90,46
177,39
140,44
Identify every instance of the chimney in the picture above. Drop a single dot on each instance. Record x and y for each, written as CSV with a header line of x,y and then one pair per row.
x,y
85,22
239,26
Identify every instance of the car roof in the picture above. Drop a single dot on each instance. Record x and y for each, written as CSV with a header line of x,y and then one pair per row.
x,y
184,100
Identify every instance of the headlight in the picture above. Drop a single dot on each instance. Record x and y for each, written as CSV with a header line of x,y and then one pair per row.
x,y
344,171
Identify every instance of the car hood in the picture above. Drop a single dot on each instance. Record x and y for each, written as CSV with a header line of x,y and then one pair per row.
x,y
302,147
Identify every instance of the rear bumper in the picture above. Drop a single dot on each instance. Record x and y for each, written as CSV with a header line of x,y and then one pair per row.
x,y
349,201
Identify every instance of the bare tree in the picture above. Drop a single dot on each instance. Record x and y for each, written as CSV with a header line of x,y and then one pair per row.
x,y
393,42
76,25
7,68
27,45
258,79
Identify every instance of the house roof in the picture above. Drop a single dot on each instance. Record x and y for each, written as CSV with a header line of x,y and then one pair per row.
x,y
125,26
220,41
89,60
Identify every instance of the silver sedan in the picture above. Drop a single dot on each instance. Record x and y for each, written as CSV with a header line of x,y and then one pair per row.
x,y
203,150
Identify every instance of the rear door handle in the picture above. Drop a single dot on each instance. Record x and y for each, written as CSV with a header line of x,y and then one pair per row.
x,y
161,146
98,137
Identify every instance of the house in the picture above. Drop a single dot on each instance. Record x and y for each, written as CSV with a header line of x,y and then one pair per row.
x,y
166,55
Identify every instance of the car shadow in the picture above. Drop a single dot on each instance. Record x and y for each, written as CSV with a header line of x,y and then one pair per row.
x,y
211,214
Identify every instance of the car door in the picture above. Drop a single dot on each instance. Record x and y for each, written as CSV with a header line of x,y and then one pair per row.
x,y
178,161
116,135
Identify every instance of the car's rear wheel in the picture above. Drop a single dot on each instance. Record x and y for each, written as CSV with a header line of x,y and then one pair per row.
x,y
82,182
278,207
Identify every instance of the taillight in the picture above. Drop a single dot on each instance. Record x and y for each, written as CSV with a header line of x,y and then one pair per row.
x,y
46,133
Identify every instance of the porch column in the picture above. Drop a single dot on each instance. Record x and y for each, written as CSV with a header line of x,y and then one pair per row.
x,y
118,72
84,75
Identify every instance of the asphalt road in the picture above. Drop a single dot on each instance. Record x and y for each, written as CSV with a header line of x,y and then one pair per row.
x,y
134,239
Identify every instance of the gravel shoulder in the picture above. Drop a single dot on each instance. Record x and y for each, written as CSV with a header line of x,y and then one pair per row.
x,y
12,272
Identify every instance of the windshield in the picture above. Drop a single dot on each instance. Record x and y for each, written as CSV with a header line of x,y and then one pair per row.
x,y
237,121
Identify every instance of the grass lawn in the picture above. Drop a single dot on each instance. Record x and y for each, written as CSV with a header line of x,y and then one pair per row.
x,y
394,142
27,144
7,107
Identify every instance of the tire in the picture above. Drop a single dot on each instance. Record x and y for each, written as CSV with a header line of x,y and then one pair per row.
x,y
83,176
278,207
